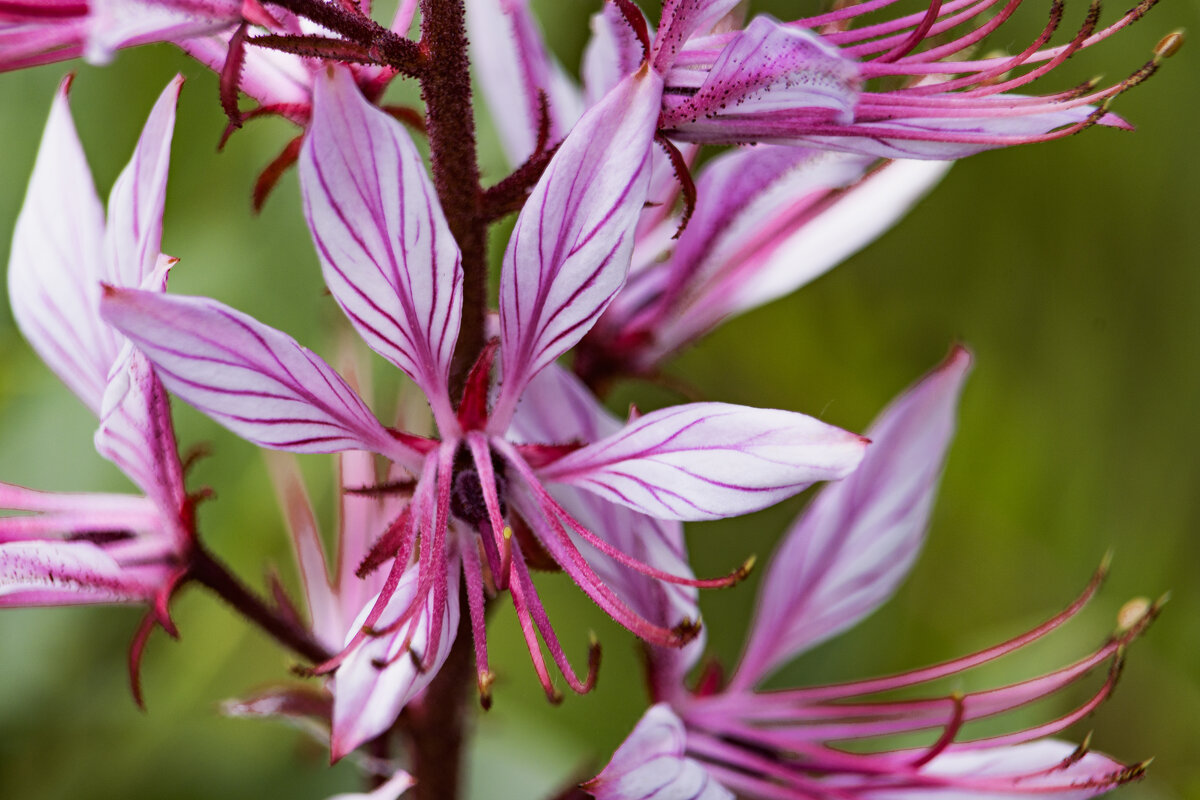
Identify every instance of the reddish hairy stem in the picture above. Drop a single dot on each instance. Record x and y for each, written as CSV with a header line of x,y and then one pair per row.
x,y
509,195
450,122
207,570
391,48
437,727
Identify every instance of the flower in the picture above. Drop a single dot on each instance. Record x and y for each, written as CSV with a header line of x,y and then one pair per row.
x,y
840,561
898,88
479,501
36,32
97,548
818,82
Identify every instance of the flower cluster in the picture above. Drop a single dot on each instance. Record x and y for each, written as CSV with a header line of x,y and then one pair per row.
x,y
622,253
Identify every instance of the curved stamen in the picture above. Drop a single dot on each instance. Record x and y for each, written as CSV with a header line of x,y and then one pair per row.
x,y
552,506
542,621
915,38
948,733
473,573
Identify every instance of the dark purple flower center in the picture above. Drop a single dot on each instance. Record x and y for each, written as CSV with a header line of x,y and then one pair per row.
x,y
466,488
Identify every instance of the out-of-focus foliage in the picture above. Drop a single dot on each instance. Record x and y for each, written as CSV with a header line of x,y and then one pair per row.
x,y
1072,269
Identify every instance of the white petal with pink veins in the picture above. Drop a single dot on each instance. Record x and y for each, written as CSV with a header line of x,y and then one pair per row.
x,y
851,548
56,262
1038,769
64,573
133,239
386,250
256,381
368,696
710,460
682,19
570,250
650,765
515,68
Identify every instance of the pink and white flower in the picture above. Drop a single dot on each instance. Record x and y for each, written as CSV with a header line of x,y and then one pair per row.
x,y
841,560
817,81
479,503
97,548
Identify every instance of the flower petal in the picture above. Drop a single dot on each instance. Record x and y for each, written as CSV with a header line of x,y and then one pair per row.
x,y
757,240
771,67
571,246
612,53
390,789
557,407
931,138
256,381
386,250
326,618
650,764
29,41
515,68
136,432
44,573
368,696
270,77
1044,769
682,19
133,239
710,460
851,548
122,23
56,262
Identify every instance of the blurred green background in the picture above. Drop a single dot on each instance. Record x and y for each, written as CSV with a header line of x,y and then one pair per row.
x,y
1072,269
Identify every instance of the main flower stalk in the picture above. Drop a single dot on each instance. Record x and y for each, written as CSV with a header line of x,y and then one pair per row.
x,y
437,731
450,123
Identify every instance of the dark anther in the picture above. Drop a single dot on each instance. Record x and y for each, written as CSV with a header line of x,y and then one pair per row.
x,y
466,490
100,537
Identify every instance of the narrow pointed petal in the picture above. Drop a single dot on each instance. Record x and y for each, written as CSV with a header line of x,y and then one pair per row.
x,y
367,696
56,262
751,201
30,43
122,23
856,218
19,498
65,573
133,240
326,617
710,460
390,789
386,250
360,524
571,247
136,432
767,223
73,515
650,765
256,381
271,77
612,54
853,546
681,19
772,67
927,138
515,68
1042,769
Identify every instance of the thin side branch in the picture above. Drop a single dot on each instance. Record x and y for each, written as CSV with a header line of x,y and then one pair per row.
x,y
207,570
